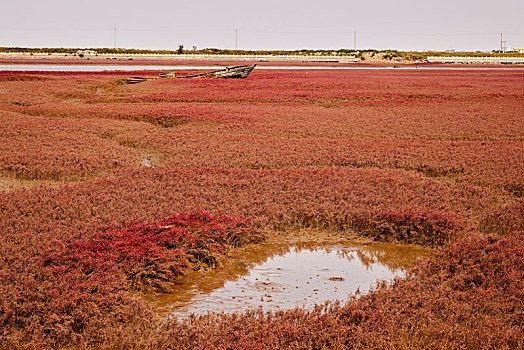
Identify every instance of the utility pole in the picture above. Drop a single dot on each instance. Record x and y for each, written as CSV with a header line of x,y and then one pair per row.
x,y
115,37
236,39
355,39
503,44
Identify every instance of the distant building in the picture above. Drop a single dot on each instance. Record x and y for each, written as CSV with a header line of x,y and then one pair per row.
x,y
86,52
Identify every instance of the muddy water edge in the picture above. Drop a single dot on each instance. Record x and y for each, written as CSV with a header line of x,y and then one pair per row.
x,y
302,269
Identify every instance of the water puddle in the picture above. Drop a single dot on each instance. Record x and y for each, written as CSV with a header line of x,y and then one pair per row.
x,y
147,162
274,277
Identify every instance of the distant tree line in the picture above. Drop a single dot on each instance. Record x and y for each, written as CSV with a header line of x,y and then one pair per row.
x,y
387,54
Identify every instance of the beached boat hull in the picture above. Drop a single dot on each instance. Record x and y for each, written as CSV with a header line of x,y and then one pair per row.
x,y
228,72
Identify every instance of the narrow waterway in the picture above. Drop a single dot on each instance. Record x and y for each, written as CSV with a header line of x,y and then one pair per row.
x,y
131,68
275,277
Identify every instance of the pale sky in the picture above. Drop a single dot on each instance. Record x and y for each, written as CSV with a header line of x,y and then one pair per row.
x,y
269,24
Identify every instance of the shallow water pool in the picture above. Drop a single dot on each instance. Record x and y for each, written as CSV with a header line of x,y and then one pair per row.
x,y
283,277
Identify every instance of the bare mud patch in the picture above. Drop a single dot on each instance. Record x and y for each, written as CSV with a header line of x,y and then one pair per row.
x,y
8,184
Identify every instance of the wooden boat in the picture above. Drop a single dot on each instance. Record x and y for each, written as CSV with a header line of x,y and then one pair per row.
x,y
235,72
228,72
136,80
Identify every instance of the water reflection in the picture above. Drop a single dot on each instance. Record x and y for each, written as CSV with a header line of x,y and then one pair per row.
x,y
280,277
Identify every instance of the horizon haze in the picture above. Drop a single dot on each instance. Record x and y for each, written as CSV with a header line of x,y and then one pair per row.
x,y
272,25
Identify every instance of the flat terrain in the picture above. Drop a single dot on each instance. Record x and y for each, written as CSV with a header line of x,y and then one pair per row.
x,y
108,191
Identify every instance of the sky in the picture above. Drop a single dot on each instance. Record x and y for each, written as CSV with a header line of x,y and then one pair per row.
x,y
265,25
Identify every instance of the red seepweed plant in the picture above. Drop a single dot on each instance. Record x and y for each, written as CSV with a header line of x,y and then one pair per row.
x,y
73,285
424,157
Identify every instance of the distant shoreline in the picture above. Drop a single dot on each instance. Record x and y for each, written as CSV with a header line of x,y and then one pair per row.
x,y
220,62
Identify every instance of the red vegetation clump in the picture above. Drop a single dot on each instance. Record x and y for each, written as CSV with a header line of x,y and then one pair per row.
x,y
69,288
152,256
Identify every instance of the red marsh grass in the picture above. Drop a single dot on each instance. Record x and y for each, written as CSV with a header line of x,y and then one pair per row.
x,y
426,157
